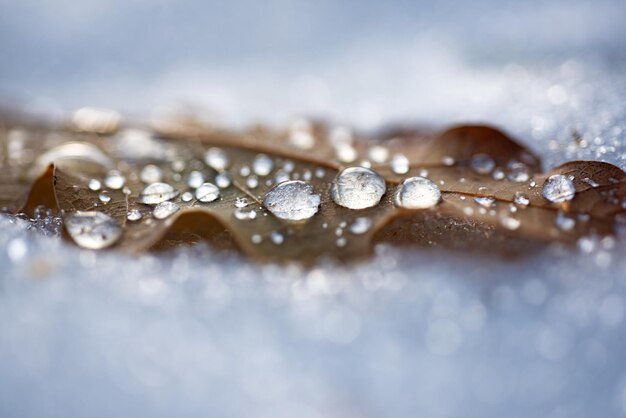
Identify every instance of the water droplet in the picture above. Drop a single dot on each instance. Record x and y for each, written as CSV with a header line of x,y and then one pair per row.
x,y
187,197
241,202
288,166
357,188
485,201
482,163
104,197
307,175
244,171
256,239
292,200
114,180
518,172
422,172
133,215
262,165
178,165
151,174
447,161
378,154
195,179
498,174
564,222
277,238
509,222
156,193
399,164
320,172
281,176
559,188
341,242
244,214
590,182
164,210
252,182
417,193
346,153
94,185
521,199
217,159
92,230
223,180
360,225
207,192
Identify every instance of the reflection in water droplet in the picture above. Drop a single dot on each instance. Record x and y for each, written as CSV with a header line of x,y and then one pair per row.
x,y
485,201
104,197
277,238
151,174
417,193
187,197
482,164
164,210
262,165
114,180
223,180
399,164
195,179
559,188
217,159
92,230
156,193
357,188
133,215
292,200
207,192
360,225
94,185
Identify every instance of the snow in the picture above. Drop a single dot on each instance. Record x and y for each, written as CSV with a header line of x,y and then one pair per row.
x,y
411,332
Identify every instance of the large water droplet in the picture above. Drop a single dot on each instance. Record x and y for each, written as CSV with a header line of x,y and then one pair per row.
x,y
399,164
357,188
292,200
482,163
417,193
559,188
156,193
217,159
114,180
164,210
262,165
151,174
207,192
93,230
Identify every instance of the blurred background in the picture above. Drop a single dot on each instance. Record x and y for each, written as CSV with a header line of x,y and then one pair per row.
x,y
410,332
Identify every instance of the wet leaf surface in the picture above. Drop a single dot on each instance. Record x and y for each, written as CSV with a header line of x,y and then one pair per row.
x,y
492,195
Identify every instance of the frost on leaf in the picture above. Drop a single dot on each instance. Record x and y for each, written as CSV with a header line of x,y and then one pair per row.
x,y
306,192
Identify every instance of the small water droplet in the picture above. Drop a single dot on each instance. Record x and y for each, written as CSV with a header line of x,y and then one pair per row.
x,y
277,238
256,239
133,215
307,175
217,159
482,163
509,222
244,214
114,180
223,180
262,165
289,166
151,174
281,176
252,182
399,164
564,222
341,242
346,153
485,201
417,193
164,210
422,172
241,202
378,154
104,197
244,171
357,188
360,225
156,193
178,165
320,173
518,172
590,182
498,174
559,188
195,179
292,200
94,185
521,199
187,197
447,161
207,192
92,230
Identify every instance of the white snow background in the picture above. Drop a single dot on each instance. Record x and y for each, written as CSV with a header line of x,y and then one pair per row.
x,y
411,332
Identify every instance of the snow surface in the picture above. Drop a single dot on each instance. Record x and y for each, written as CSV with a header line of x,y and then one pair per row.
x,y
411,332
